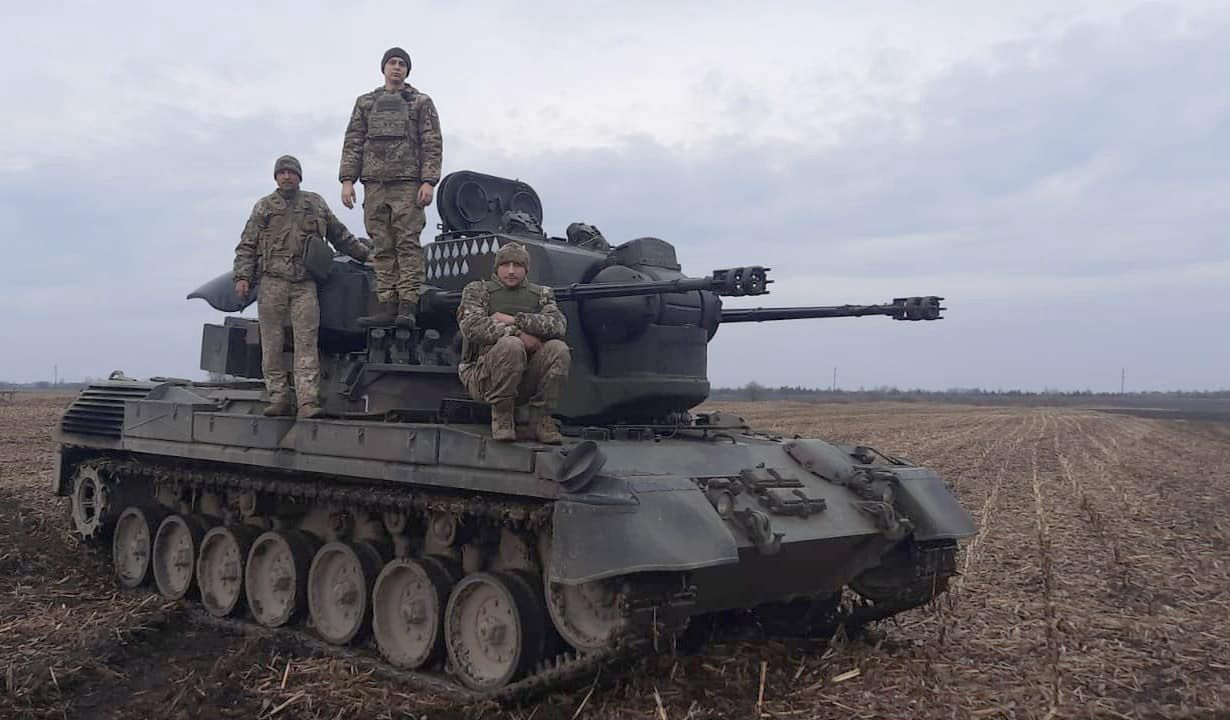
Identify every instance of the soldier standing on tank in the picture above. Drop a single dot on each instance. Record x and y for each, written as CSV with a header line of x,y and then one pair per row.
x,y
393,146
512,346
273,246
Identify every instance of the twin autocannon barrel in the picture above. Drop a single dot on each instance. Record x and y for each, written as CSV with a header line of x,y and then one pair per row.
x,y
732,282
909,308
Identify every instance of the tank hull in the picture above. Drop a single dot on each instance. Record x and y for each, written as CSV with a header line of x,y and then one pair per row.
x,y
662,525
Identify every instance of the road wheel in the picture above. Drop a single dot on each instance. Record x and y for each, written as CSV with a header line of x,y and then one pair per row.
x,y
276,578
131,546
408,610
174,554
340,589
220,567
493,629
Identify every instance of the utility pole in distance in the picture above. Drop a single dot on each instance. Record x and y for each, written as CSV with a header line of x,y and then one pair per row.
x,y
1122,379
833,387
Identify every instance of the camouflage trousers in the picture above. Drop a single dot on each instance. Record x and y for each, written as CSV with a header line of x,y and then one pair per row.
x,y
507,371
394,221
280,300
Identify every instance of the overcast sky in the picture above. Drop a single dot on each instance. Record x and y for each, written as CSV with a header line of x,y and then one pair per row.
x,y
1057,170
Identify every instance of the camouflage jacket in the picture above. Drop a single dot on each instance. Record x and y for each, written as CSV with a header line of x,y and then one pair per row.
x,y
532,305
392,138
278,230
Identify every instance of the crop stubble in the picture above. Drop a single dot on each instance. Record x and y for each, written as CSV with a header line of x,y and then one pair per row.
x,y
1098,585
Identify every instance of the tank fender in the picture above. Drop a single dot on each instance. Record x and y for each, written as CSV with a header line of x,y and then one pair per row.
x,y
932,508
639,524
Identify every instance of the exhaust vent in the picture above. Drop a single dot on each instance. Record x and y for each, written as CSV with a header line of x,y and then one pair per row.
x,y
99,409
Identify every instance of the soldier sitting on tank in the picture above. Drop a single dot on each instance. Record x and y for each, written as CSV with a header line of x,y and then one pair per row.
x,y
274,246
512,346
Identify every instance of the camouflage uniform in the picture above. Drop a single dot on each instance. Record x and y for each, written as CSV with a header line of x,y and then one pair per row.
x,y
495,366
393,145
272,247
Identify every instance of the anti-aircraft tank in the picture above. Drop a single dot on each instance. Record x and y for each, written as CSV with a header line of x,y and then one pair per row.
x,y
397,525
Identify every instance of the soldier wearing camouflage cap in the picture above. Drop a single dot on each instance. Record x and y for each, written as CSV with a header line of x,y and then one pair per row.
x,y
274,247
394,147
513,351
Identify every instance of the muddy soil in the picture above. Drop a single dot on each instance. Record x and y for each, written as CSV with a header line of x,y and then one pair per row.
x,y
1098,586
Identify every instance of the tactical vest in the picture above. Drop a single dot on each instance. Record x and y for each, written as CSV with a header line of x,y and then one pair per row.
x,y
392,145
389,120
285,240
525,298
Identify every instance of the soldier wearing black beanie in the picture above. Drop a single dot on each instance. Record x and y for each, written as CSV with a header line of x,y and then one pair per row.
x,y
392,53
394,148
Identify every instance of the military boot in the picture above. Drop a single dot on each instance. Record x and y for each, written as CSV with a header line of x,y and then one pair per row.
x,y
545,429
406,314
503,426
386,313
280,407
311,410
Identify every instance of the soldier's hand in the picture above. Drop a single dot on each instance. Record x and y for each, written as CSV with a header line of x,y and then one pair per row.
x,y
503,319
348,193
425,193
531,342
241,289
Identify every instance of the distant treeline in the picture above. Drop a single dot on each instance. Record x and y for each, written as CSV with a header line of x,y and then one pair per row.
x,y
974,396
44,385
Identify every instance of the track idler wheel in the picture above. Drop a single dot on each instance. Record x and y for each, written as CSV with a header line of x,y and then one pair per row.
x,y
276,576
340,589
408,606
494,628
220,567
174,554
585,615
132,545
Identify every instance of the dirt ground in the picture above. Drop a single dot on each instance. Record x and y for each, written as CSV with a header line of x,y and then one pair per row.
x,y
1098,586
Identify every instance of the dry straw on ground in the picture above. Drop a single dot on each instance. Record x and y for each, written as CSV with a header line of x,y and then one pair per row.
x,y
1098,586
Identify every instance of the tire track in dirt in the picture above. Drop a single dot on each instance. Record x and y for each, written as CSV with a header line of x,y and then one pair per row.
x,y
991,473
1121,609
1002,448
1042,517
1087,459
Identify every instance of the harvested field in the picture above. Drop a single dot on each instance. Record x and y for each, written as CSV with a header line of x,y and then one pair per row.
x,y
1098,586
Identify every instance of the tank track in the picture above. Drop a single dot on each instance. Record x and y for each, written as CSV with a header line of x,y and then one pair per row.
x,y
560,670
564,669
936,563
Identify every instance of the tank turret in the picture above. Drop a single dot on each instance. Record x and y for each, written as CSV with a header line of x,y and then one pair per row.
x,y
637,325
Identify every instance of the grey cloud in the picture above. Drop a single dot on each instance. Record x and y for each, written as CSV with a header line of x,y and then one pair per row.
x,y
1066,193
